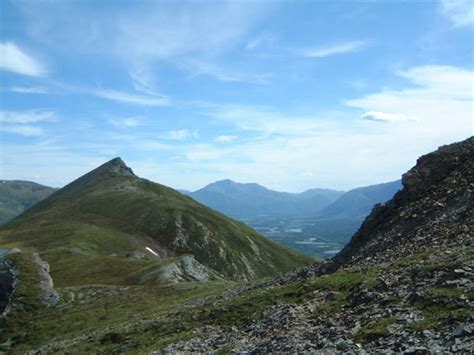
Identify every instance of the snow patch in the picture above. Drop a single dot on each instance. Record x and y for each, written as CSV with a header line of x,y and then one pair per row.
x,y
152,251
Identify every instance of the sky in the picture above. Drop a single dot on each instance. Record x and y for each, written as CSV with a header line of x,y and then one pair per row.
x,y
289,94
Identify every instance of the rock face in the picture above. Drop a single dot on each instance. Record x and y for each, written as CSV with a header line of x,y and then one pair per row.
x,y
8,280
405,282
48,295
435,208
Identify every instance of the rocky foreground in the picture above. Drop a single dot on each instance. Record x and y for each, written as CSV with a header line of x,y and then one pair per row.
x,y
404,283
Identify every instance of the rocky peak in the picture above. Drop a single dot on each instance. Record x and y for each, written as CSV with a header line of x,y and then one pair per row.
x,y
433,168
117,167
434,208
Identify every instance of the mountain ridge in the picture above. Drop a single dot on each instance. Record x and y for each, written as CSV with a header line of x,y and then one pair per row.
x,y
111,211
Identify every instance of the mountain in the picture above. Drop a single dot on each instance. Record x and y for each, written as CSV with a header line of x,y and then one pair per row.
x,y
253,200
326,215
111,222
341,219
17,196
404,284
357,203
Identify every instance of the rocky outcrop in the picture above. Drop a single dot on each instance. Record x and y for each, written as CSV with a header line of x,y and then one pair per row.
x,y
118,167
435,206
48,295
9,276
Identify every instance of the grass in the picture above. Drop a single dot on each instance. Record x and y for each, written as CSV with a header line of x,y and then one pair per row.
x,y
374,330
93,217
88,309
442,306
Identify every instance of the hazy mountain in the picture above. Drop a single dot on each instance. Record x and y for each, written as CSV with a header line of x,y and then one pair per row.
x,y
17,196
89,226
359,202
252,200
329,214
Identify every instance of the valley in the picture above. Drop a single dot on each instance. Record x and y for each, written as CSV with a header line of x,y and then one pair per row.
x,y
305,234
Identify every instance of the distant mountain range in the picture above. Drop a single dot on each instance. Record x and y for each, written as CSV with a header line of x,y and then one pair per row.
x,y
16,196
360,201
334,215
253,200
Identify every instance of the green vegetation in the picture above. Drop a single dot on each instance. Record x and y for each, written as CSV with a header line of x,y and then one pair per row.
x,y
85,230
442,306
374,330
94,234
18,196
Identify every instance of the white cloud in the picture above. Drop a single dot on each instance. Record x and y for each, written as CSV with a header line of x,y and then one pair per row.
x,y
225,139
15,60
26,116
125,97
180,135
263,40
198,68
333,49
29,90
169,32
124,122
267,120
24,130
386,117
441,97
459,12
341,152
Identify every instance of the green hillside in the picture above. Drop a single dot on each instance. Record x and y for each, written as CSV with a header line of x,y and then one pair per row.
x,y
17,196
111,227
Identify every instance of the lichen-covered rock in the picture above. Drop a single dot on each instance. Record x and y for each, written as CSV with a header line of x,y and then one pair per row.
x,y
48,294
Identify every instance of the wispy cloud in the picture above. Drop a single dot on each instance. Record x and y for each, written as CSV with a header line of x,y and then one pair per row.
x,y
198,68
333,49
225,139
21,117
459,12
180,135
16,60
386,117
29,90
153,32
142,100
440,98
267,120
129,122
24,130
263,40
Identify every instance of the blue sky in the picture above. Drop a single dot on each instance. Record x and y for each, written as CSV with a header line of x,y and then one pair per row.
x,y
290,94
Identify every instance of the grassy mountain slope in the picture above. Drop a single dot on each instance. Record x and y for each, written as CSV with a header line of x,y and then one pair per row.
x,y
17,196
97,220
